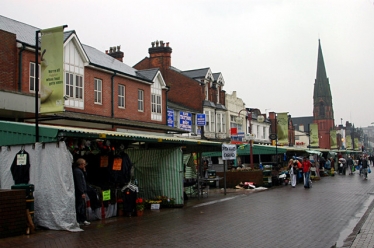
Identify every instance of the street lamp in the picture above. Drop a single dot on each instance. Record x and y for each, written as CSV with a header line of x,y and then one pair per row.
x,y
249,118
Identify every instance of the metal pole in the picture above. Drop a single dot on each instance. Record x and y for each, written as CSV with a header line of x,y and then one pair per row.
x,y
224,177
276,140
37,86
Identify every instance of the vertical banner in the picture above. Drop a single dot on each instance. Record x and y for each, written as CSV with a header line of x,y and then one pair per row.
x,y
357,145
333,143
314,141
348,142
282,128
52,78
170,117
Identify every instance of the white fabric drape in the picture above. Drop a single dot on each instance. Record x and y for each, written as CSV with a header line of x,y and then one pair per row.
x,y
52,176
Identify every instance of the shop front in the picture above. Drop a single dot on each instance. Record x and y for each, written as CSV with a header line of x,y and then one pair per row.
x,y
150,165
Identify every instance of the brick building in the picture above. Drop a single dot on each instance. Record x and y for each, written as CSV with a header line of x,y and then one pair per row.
x,y
100,90
202,92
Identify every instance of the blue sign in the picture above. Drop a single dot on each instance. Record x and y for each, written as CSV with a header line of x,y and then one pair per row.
x,y
200,120
170,118
185,121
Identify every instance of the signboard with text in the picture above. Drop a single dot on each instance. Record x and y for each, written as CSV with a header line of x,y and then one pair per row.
x,y
185,121
200,120
170,118
228,152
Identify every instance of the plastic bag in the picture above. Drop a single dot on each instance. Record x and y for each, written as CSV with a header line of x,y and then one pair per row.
x,y
369,171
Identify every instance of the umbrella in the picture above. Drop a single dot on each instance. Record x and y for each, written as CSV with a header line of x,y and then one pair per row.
x,y
342,160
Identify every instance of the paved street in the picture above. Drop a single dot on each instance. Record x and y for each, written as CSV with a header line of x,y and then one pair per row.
x,y
282,216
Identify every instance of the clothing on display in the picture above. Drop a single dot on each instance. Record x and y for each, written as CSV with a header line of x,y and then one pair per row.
x,y
21,167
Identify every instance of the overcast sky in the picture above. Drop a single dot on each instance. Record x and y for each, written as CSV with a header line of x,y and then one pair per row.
x,y
266,50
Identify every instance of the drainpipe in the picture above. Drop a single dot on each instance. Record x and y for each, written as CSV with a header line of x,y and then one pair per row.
x,y
112,100
20,68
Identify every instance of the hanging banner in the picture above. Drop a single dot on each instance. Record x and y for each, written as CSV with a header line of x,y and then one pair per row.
x,y
170,113
282,128
356,145
314,141
348,142
52,71
333,143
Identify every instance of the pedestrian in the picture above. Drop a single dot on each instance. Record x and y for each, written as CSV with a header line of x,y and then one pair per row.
x,y
294,173
300,176
306,170
350,165
79,171
365,165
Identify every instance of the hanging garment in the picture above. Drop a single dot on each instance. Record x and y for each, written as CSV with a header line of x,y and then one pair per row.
x,y
120,169
21,167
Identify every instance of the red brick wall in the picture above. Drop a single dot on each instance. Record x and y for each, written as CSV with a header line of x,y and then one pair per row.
x,y
131,97
12,213
185,90
8,61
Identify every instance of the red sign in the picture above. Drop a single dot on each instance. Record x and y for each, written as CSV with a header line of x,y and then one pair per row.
x,y
234,131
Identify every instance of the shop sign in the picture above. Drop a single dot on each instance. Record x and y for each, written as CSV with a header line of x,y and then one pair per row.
x,y
201,121
228,152
185,121
170,117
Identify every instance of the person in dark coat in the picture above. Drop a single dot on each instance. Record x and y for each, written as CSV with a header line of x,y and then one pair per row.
x,y
80,185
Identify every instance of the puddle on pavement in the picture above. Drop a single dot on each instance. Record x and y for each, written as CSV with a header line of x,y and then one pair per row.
x,y
353,222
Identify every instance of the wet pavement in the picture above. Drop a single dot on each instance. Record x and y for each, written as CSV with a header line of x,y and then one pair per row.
x,y
335,212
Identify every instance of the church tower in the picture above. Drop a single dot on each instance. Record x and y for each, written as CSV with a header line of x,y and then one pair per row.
x,y
323,113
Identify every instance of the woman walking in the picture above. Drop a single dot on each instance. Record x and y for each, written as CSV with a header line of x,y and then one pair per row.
x,y
294,173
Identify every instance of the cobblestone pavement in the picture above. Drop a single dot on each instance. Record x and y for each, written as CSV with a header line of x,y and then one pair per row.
x,y
336,212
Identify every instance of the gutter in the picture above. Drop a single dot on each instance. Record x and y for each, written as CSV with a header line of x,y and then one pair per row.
x,y
112,100
20,68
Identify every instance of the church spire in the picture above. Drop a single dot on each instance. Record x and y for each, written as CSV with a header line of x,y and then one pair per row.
x,y
321,70
322,85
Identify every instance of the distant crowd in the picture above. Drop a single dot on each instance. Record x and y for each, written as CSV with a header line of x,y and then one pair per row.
x,y
301,169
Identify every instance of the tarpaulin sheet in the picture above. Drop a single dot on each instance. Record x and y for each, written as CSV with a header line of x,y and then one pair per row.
x,y
52,177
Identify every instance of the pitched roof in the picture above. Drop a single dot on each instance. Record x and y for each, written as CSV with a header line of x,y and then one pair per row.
x,y
149,74
26,34
97,57
197,73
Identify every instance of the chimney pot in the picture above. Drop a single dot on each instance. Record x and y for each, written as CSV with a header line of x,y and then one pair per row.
x,y
153,44
156,43
106,51
167,44
118,48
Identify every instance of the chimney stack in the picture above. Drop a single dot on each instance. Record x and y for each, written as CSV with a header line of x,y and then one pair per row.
x,y
160,55
115,52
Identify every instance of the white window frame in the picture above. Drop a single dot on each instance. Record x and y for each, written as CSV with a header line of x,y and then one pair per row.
x,y
121,96
32,74
140,100
98,91
156,102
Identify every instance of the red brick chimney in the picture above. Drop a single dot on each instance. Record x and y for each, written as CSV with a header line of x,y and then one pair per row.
x,y
115,53
160,55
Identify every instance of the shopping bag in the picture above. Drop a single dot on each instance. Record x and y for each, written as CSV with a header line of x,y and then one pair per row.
x,y
353,169
369,171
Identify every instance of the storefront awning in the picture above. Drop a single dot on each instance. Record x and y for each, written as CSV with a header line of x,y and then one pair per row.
x,y
16,133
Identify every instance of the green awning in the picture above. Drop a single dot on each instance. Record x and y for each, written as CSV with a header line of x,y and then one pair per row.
x,y
244,150
19,133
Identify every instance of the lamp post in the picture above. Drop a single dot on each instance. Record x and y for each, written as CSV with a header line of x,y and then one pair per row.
x,y
249,118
